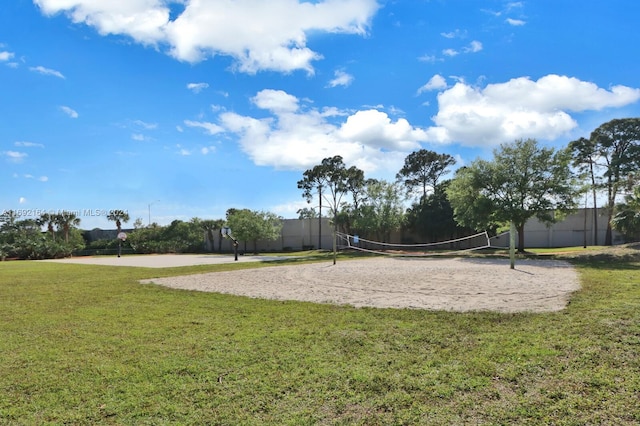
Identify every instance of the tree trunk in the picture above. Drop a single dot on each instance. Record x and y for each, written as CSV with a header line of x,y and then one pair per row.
x,y
320,218
608,237
595,206
210,236
520,228
611,202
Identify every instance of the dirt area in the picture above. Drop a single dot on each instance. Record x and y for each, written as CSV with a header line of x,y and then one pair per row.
x,y
451,284
539,283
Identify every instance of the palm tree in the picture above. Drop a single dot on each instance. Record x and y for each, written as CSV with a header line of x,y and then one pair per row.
x,y
66,220
49,220
119,217
208,226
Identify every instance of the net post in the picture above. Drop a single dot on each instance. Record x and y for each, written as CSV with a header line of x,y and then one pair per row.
x,y
512,245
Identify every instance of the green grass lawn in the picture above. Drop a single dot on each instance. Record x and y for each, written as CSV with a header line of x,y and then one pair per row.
x,y
86,344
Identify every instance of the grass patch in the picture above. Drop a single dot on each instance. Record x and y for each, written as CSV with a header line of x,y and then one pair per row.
x,y
82,344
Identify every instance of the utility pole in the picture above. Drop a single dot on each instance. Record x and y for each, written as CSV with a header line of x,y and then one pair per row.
x,y
149,224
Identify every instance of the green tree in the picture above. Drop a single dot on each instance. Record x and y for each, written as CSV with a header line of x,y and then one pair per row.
x,y
148,239
210,226
523,181
332,176
432,218
8,220
248,225
119,217
383,211
65,221
585,159
356,185
48,220
307,213
349,217
310,184
27,240
627,217
617,147
184,237
423,169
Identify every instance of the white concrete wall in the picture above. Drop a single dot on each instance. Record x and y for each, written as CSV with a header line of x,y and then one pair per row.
x,y
302,233
569,232
297,234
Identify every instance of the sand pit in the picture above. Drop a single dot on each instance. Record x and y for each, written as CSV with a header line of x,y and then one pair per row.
x,y
458,284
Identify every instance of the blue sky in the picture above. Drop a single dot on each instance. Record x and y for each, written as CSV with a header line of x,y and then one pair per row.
x,y
184,108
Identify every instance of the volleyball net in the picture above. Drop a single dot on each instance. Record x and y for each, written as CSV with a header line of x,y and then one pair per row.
x,y
450,247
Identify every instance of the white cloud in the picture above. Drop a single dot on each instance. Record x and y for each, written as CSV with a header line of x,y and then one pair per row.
x,y
258,35
207,150
341,79
507,9
145,125
126,153
22,200
26,144
5,56
514,5
41,178
70,112
515,22
474,46
520,108
374,128
139,137
428,58
454,34
291,208
437,82
210,128
275,101
15,156
197,87
143,20
47,71
182,151
293,137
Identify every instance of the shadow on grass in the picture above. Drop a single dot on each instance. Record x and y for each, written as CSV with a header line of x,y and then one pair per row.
x,y
609,262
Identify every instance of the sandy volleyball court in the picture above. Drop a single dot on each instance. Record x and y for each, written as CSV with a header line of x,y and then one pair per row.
x,y
452,284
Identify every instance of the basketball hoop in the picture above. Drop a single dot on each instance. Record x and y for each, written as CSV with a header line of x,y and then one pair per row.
x,y
121,237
